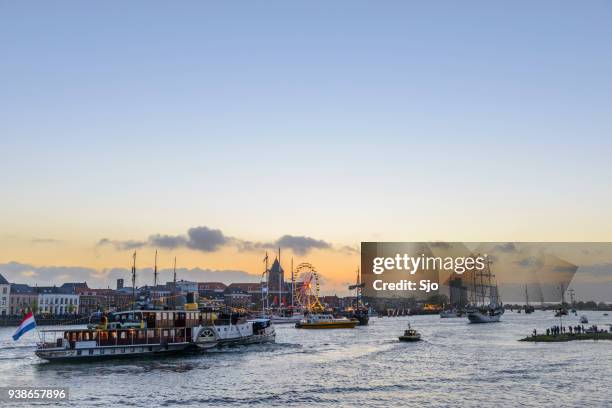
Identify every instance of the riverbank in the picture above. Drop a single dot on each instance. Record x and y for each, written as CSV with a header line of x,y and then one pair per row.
x,y
568,337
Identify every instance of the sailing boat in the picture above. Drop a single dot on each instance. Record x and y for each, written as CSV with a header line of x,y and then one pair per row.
x,y
481,311
528,308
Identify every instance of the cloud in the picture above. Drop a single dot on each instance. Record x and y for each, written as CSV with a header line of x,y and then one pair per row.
x,y
301,245
29,274
207,239
16,272
122,245
350,250
167,241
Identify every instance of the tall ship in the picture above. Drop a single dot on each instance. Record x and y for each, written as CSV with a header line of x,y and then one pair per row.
x,y
357,310
486,306
528,308
151,332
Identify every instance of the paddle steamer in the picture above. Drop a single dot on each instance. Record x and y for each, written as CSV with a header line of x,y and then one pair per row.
x,y
151,332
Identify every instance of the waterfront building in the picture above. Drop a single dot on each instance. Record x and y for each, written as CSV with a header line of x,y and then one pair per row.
x,y
330,301
211,290
122,298
94,300
55,300
183,286
277,290
253,289
73,287
5,292
236,297
23,299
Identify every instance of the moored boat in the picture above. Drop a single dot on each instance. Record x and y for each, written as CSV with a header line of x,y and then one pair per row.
x,y
323,321
360,313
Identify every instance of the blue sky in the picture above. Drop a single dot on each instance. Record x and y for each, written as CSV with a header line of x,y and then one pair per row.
x,y
343,121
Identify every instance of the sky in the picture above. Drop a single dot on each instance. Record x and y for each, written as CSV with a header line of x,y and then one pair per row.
x,y
323,123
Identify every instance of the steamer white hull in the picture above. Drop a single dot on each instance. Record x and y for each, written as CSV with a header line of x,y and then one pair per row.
x,y
485,316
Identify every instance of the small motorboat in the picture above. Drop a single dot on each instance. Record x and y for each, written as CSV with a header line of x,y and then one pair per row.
x,y
410,335
583,319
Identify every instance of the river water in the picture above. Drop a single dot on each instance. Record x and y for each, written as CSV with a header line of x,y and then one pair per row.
x,y
457,364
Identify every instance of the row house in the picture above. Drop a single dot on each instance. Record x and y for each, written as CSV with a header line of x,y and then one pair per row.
x,y
54,300
5,292
23,299
211,290
253,290
94,300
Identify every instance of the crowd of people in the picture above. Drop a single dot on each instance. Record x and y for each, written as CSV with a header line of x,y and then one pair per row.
x,y
578,329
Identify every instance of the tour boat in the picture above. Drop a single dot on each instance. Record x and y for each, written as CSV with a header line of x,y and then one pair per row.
x,y
150,332
129,333
324,321
410,335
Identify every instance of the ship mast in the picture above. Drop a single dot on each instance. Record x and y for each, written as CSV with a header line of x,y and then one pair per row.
x,y
155,271
280,276
264,285
134,279
174,286
292,285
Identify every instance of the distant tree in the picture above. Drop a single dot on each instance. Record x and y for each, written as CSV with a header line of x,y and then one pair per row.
x,y
590,305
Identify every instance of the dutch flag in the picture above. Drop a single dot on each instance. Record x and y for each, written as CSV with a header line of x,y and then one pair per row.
x,y
28,323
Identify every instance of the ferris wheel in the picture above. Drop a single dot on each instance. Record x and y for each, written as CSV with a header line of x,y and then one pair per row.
x,y
307,287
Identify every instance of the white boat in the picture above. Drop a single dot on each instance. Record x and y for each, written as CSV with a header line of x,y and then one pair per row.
x,y
234,334
451,313
487,314
324,321
486,306
286,319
